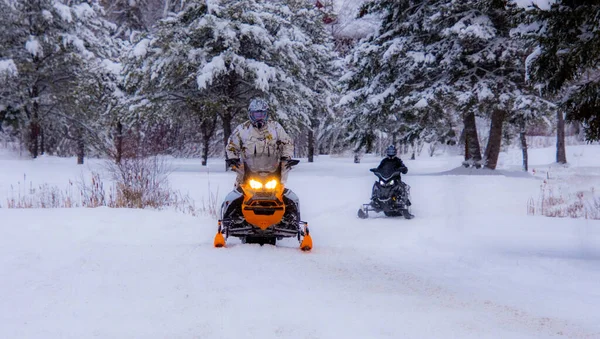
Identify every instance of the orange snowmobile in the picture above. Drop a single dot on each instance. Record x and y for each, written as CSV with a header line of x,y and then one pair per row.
x,y
261,210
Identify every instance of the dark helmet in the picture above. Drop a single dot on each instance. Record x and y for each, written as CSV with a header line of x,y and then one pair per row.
x,y
258,112
390,151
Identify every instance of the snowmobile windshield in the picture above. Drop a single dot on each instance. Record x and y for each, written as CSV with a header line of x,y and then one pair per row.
x,y
387,171
262,163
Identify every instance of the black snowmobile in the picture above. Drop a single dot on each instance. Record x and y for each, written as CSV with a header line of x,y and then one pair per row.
x,y
390,195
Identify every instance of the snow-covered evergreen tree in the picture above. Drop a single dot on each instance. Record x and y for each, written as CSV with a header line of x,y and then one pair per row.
x,y
315,65
564,61
214,56
460,52
51,43
130,16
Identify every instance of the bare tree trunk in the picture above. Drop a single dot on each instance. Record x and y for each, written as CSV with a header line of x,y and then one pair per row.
x,y
205,149
208,127
226,119
561,154
369,143
472,148
80,148
412,144
492,150
34,124
524,147
42,144
119,143
311,145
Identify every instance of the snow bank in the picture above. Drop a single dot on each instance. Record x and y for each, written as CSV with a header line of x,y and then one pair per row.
x,y
471,263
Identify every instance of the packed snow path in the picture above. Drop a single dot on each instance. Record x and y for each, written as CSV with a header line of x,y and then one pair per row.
x,y
470,265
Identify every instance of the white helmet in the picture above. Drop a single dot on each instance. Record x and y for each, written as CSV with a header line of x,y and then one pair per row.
x,y
258,112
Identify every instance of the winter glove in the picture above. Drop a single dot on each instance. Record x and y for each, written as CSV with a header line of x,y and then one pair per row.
x,y
289,163
235,162
404,170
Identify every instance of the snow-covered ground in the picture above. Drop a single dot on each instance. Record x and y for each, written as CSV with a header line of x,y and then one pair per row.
x,y
472,264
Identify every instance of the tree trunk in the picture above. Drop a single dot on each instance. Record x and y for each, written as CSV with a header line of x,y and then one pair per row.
x,y
492,150
80,148
34,132
205,148
524,148
369,143
561,154
472,148
207,132
208,126
412,144
34,124
311,145
227,118
42,144
119,143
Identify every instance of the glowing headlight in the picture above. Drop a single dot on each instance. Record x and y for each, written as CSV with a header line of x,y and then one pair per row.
x,y
271,184
391,182
255,184
381,183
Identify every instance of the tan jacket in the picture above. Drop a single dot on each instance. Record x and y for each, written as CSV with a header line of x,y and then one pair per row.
x,y
247,141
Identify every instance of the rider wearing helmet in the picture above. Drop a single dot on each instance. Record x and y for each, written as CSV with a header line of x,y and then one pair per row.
x,y
258,135
393,161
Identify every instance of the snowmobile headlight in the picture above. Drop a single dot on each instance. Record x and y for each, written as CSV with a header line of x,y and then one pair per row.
x,y
255,184
271,184
381,182
391,182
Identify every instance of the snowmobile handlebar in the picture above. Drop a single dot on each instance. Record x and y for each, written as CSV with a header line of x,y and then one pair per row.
x,y
289,163
402,170
236,162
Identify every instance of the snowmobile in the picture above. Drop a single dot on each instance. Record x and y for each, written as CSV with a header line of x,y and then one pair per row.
x,y
261,210
390,196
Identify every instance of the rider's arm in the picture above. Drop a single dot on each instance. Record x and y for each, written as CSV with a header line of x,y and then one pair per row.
x,y
234,144
285,142
402,166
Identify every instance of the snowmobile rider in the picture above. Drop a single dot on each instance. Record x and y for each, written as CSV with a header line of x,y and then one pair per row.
x,y
391,163
258,136
392,160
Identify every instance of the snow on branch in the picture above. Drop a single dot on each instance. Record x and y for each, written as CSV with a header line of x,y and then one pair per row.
x,y
33,47
8,68
210,71
64,11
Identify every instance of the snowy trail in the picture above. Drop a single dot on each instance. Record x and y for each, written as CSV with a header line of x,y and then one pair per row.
x,y
465,267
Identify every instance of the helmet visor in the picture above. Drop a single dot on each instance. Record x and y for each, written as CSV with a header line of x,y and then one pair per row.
x,y
258,115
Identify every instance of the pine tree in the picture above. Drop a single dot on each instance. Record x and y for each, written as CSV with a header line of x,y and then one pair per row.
x,y
51,44
315,66
220,55
565,60
458,54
